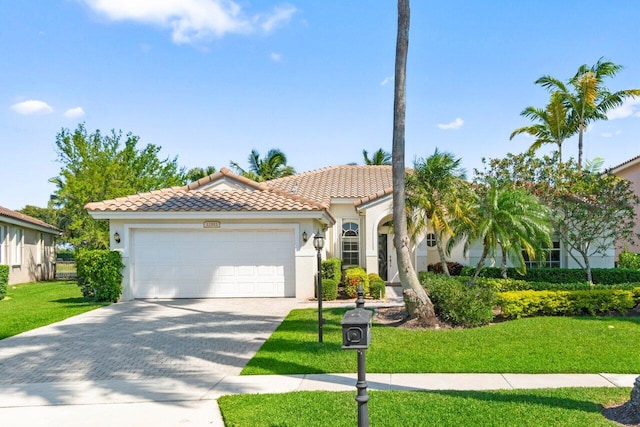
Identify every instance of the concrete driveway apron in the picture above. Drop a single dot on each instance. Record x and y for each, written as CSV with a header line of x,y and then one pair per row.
x,y
135,352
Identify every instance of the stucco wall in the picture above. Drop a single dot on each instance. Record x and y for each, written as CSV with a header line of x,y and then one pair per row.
x,y
631,174
37,260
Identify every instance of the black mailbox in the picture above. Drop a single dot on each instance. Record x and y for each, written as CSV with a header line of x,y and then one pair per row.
x,y
356,329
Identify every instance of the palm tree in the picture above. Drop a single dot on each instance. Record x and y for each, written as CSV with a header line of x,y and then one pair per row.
x,y
417,301
554,124
508,218
273,165
589,100
196,173
380,157
435,195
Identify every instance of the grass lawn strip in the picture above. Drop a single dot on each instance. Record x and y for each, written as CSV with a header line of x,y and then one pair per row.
x,y
32,305
531,345
542,407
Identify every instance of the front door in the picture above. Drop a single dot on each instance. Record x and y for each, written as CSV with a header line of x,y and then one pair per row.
x,y
393,276
382,256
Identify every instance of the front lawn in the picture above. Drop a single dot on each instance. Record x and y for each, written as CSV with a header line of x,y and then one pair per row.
x,y
530,345
558,407
31,305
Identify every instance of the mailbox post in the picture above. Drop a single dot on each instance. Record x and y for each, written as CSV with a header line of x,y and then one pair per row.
x,y
356,335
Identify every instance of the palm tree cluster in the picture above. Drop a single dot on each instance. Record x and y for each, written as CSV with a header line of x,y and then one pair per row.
x,y
573,105
271,166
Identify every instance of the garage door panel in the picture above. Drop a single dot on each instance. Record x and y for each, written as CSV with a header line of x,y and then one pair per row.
x,y
205,264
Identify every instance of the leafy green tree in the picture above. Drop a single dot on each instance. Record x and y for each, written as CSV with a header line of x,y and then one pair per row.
x,y
273,165
379,157
505,218
196,173
50,215
436,191
417,301
586,97
98,167
590,210
554,124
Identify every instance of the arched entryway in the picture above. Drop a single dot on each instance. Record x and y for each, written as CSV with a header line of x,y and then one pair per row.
x,y
387,261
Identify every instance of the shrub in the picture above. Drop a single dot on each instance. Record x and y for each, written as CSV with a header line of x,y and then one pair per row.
x,y
4,280
629,260
377,288
352,278
455,268
457,303
329,289
603,276
99,274
332,269
518,304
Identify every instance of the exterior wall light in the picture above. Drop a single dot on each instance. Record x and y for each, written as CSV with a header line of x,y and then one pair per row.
x,y
305,236
116,237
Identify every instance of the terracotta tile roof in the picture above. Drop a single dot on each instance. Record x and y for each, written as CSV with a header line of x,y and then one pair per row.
x,y
188,199
322,185
625,163
4,212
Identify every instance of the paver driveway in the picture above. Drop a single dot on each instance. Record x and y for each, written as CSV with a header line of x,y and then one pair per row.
x,y
144,339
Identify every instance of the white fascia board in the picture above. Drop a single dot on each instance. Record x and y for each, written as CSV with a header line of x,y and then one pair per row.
x,y
625,166
380,200
210,215
31,226
344,200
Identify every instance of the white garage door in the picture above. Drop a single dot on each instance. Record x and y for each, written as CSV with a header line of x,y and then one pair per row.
x,y
213,263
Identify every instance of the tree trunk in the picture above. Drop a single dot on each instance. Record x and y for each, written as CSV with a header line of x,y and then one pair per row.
x,y
443,258
587,266
580,132
628,413
503,264
417,301
483,258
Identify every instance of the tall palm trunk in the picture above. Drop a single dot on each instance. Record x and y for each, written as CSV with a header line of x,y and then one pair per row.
x,y
443,258
416,299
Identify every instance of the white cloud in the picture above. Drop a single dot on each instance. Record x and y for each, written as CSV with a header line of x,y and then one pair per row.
x,y
610,134
74,113
192,20
275,57
457,123
386,81
32,106
630,107
281,15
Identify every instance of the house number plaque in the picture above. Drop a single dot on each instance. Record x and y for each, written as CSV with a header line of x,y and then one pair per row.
x,y
212,224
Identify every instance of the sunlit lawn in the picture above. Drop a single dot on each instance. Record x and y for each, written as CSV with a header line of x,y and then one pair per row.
x,y
558,407
532,345
31,305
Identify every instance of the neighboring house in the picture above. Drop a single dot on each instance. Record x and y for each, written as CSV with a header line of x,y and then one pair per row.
x,y
630,170
227,236
27,246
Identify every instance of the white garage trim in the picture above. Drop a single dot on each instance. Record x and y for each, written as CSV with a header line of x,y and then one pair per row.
x,y
188,261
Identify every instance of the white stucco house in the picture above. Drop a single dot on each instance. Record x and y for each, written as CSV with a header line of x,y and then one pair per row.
x,y
27,246
228,236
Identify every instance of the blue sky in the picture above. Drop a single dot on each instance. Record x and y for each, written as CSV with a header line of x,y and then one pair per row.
x,y
210,80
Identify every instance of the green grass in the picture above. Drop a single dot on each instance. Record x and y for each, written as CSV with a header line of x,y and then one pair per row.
x,y
558,407
31,305
531,345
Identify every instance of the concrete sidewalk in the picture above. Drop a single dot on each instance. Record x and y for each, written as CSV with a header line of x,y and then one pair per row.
x,y
191,401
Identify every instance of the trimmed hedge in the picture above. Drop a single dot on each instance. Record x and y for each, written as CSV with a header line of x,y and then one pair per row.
x,y
629,260
603,276
4,280
100,274
507,285
332,269
455,268
519,304
377,289
352,278
457,303
329,289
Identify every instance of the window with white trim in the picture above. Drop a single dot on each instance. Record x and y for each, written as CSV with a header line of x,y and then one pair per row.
x,y
40,248
431,240
551,259
16,245
3,245
350,243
